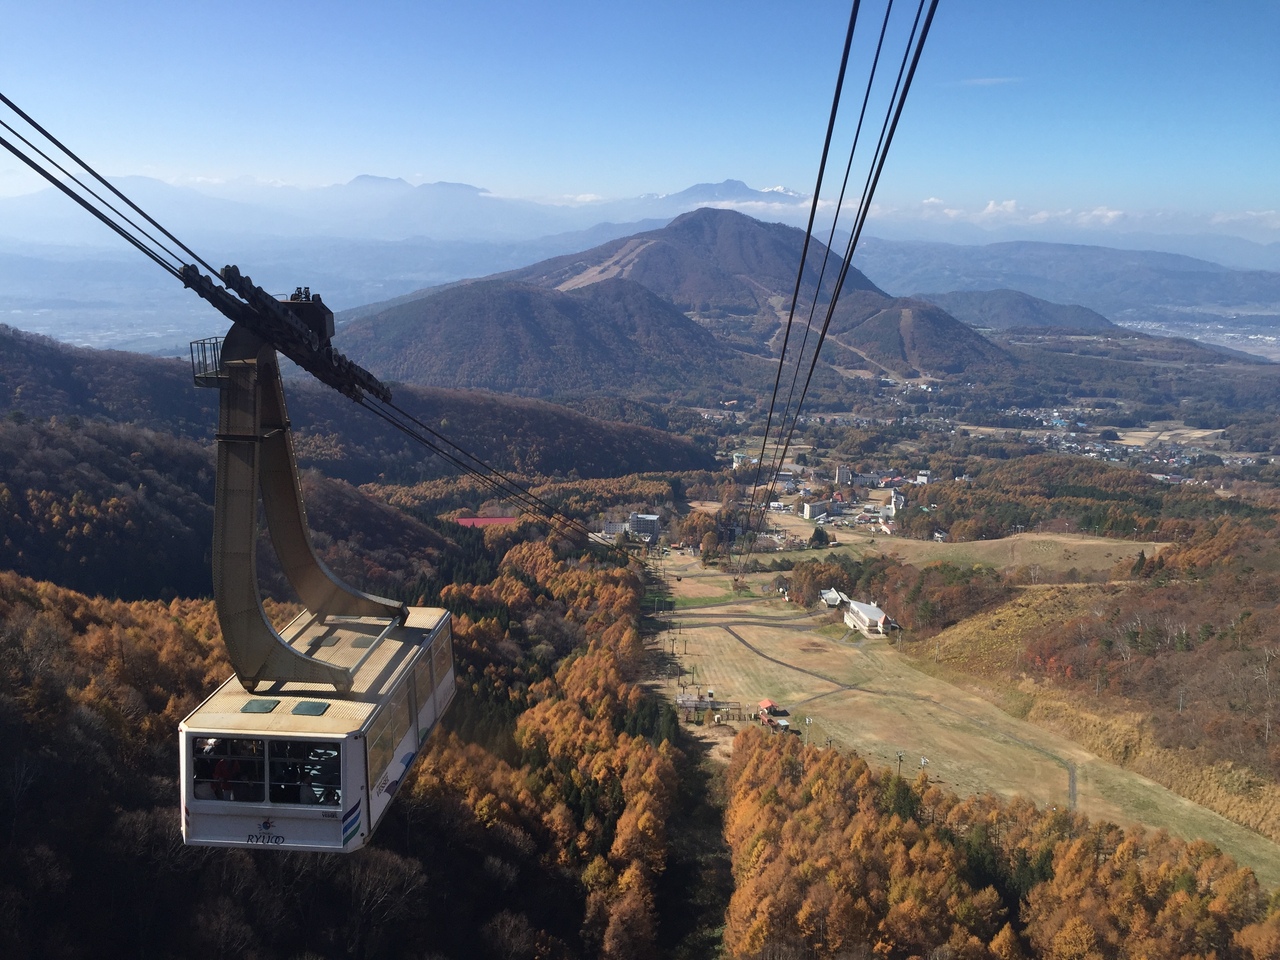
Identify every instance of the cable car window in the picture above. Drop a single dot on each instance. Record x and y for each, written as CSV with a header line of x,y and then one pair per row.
x,y
227,769
305,771
442,655
422,683
387,732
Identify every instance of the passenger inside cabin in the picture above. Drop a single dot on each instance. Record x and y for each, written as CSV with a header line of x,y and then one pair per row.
x,y
308,792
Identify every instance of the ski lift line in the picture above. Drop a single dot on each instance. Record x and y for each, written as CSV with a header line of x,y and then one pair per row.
x,y
91,192
813,212
868,192
146,251
101,179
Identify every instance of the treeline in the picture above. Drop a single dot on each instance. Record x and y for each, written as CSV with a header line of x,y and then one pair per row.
x,y
580,499
832,858
40,378
539,824
125,511
925,598
1094,497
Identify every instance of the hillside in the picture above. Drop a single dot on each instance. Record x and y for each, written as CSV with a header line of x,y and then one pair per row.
x,y
592,330
40,378
528,437
124,511
1012,309
710,263
909,337
612,337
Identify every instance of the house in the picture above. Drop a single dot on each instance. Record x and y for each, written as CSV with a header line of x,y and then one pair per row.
x,y
833,597
867,618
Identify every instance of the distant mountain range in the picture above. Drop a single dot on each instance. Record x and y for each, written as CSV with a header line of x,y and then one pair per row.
x,y
370,208
1125,286
375,239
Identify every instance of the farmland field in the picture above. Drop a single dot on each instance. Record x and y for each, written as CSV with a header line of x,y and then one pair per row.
x,y
864,695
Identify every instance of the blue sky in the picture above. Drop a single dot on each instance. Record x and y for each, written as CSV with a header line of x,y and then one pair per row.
x,y
1166,113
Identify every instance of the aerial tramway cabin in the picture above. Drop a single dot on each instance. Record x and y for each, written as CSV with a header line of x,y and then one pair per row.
x,y
306,745
294,767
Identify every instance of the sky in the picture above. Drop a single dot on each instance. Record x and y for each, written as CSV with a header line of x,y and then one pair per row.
x,y
1151,115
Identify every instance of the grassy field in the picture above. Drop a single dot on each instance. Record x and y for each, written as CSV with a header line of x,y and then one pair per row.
x,y
1168,431
1053,553
865,695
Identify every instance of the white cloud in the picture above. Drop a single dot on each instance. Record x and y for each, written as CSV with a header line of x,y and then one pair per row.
x,y
1268,219
1099,216
1007,209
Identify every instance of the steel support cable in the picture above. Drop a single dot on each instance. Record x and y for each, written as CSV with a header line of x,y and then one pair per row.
x,y
869,190
493,485
147,251
804,251
123,218
508,490
780,456
503,486
500,485
101,179
525,495
777,461
848,170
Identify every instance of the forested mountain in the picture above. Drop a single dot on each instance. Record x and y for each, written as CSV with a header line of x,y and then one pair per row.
x,y
612,337
709,263
590,329
910,337
126,511
40,378
1008,309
